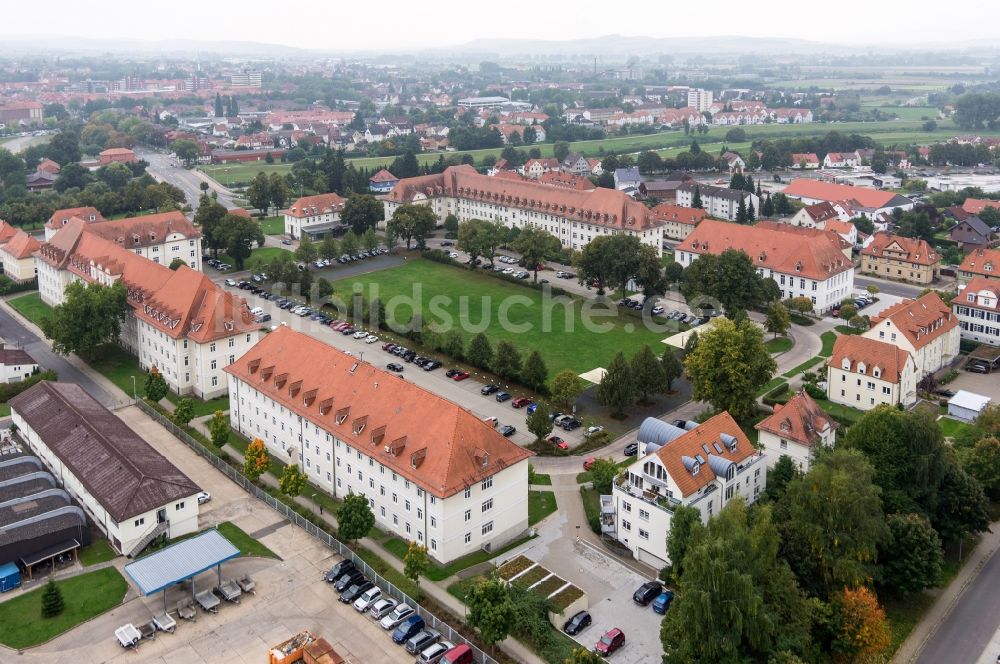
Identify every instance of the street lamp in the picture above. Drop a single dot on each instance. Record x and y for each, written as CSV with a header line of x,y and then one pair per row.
x,y
135,395
318,504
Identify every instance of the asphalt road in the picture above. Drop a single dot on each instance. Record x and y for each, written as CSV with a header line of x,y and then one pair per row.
x,y
22,143
15,333
862,282
968,629
164,168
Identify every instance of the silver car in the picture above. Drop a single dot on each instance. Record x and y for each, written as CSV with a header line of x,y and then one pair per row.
x,y
381,608
398,615
434,653
367,598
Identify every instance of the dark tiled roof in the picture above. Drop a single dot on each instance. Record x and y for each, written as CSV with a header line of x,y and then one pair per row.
x,y
17,356
123,472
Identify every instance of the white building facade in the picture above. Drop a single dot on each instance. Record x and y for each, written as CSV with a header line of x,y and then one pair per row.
x,y
977,307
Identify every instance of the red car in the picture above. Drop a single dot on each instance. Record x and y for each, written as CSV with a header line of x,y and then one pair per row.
x,y
558,442
588,463
520,402
461,375
612,640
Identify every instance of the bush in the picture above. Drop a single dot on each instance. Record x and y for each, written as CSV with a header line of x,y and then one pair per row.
x,y
439,256
815,391
774,395
10,390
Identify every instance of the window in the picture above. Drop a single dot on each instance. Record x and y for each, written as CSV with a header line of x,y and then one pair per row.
x,y
395,520
434,522
468,492
626,507
487,528
141,520
468,538
211,347
488,505
643,534
783,444
468,515
214,364
626,525
434,545
420,513
382,510
644,515
179,506
487,483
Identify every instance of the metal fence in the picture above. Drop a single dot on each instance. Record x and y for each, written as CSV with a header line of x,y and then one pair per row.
x,y
447,632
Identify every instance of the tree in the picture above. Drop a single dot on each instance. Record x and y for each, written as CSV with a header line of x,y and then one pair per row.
x,y
219,111
534,372
451,224
412,222
741,211
672,367
584,656
176,263
306,251
186,150
539,422
911,558
603,473
210,217
354,517
218,429
90,316
860,628
292,480
696,199
491,610
480,353
259,192
362,212
961,507
329,248
184,412
681,523
279,191
648,374
52,599
617,388
560,151
507,361
729,278
728,367
565,387
784,471
982,462
778,319
859,322
240,234
155,386
767,208
256,460
535,246
349,243
801,304
415,561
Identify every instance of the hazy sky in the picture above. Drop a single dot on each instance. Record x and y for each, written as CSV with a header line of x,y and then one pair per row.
x,y
338,24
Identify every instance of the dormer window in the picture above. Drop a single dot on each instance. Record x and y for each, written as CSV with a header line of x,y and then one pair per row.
x,y
695,468
861,368
971,297
876,372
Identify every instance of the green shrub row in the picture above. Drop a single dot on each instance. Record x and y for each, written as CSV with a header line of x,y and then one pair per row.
x,y
774,395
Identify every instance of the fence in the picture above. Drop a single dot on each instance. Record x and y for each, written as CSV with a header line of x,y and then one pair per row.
x,y
447,632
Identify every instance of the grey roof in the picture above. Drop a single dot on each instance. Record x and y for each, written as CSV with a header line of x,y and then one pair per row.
x,y
657,432
121,470
969,400
706,191
977,225
180,561
627,174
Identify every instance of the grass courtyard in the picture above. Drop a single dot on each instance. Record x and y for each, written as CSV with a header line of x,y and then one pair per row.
x,y
31,307
470,302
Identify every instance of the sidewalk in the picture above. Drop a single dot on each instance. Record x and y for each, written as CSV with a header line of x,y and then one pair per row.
x,y
949,597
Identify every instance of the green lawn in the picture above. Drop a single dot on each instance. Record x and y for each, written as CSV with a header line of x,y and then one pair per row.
x,y
828,338
950,427
435,572
4,409
31,307
263,253
591,505
779,345
770,385
848,330
541,479
843,414
460,299
86,596
540,505
808,364
99,551
273,225
247,545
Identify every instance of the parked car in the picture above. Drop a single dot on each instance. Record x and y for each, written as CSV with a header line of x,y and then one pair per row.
x,y
431,365
356,590
451,372
398,615
360,334
347,579
593,430
339,570
433,653
503,396
393,366
631,449
407,628
204,497
571,424
492,421
422,640
507,430
647,592
460,654
388,347
520,402
447,243
532,407
558,442
367,598
460,376
370,339
381,608
487,390
230,283
559,418
663,601
612,640
588,463
577,623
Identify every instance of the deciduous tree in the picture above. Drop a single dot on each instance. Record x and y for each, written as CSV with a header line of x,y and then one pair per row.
x,y
412,222
617,389
90,316
861,628
539,422
415,562
184,412
536,246
256,460
648,374
603,473
218,429
778,319
155,386
240,236
259,192
565,388
672,367
911,558
361,212
292,480
491,610
354,517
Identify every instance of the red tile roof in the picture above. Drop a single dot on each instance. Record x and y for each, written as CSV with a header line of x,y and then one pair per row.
x,y
239,212
810,252
427,439
677,455
59,217
48,166
308,206
801,420
982,261
146,230
567,180
890,359
828,191
913,250
117,151
922,320
21,245
807,157
678,213
7,231
383,176
821,211
975,287
977,205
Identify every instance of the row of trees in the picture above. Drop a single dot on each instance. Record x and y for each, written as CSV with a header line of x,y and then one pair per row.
x,y
627,382
222,231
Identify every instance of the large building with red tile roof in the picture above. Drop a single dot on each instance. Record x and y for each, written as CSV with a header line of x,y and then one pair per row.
x,y
704,467
433,472
315,215
925,327
979,263
182,322
804,262
60,218
575,217
901,259
977,306
865,372
18,256
796,430
678,221
116,155
977,205
162,238
872,200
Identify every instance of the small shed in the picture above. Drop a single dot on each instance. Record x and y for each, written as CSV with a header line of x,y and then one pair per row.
x,y
966,406
10,577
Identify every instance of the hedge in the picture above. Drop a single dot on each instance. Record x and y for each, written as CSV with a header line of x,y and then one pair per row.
x,y
10,390
772,397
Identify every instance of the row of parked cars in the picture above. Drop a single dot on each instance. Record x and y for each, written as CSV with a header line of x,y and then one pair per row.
x,y
218,265
349,258
410,356
408,629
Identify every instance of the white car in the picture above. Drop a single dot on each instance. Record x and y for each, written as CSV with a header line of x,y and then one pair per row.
x,y
433,653
204,497
453,255
398,615
381,608
509,270
360,334
367,598
592,430
370,339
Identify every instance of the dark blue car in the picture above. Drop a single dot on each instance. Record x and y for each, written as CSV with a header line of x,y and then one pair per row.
x,y
663,601
407,628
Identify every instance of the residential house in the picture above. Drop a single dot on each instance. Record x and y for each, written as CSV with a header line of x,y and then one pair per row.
x,y
535,168
844,229
805,160
665,189
977,205
791,115
18,256
15,364
864,373
925,327
576,164
678,222
796,429
979,263
814,216
734,162
315,215
977,306
719,202
627,177
60,218
803,262
128,489
971,233
841,160
704,467
433,472
869,201
116,155
567,180
573,216
40,181
382,182
900,258
595,167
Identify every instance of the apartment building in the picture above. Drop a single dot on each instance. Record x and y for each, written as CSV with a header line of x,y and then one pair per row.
x,y
900,258
699,99
17,256
314,215
574,216
704,467
804,262
977,307
864,373
926,328
60,218
678,222
181,322
433,472
796,429
718,202
867,200
983,263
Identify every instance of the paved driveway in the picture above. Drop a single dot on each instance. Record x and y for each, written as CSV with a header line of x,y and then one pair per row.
x,y
986,384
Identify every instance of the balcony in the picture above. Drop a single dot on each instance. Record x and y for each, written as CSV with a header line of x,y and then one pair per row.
x,y
608,516
653,495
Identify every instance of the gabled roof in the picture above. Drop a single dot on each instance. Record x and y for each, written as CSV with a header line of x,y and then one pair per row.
x,y
809,252
48,166
828,191
308,206
117,151
121,470
719,442
709,191
7,231
977,287
977,225
977,205
800,420
144,231
921,320
678,213
383,176
982,261
21,245
821,211
807,157
914,250
427,439
890,359
60,217
839,227
18,356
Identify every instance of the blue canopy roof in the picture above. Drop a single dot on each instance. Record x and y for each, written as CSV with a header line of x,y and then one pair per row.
x,y
181,561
